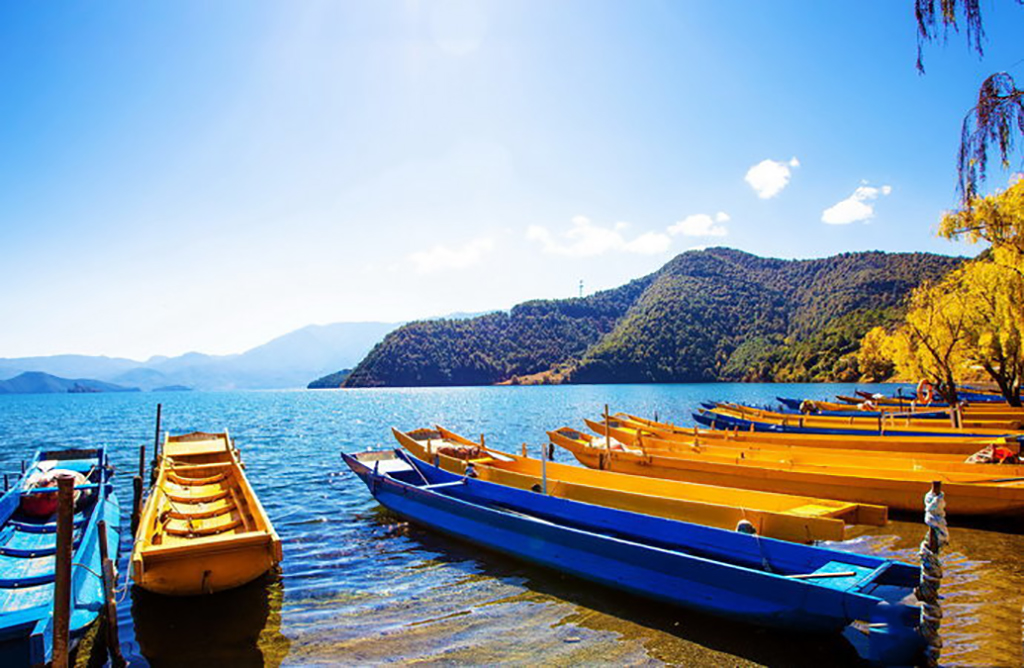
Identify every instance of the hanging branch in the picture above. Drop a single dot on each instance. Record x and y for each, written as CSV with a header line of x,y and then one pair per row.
x,y
996,120
929,20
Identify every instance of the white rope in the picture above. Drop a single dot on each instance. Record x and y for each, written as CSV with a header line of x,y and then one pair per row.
x,y
931,575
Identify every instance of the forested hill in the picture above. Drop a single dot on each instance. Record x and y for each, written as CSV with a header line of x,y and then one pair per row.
x,y
717,314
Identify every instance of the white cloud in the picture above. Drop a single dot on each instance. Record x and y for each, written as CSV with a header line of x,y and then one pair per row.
x,y
440,257
650,243
701,225
584,239
768,177
857,207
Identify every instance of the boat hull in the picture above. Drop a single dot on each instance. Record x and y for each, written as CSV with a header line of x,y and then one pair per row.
x,y
650,557
202,529
27,563
898,494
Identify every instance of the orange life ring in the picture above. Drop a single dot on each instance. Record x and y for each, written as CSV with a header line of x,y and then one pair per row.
x,y
925,392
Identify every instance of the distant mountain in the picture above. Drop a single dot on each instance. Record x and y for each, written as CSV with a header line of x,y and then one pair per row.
x,y
288,361
34,382
331,381
716,314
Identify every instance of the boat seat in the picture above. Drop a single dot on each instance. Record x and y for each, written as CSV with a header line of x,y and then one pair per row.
x,y
200,510
44,527
204,498
391,466
192,482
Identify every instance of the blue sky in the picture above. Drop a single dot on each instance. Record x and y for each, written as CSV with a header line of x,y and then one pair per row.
x,y
206,176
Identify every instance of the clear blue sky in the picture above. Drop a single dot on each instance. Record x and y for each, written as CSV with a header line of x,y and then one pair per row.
x,y
190,175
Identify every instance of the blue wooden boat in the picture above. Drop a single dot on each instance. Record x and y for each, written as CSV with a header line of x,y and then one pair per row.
x,y
28,546
792,406
760,580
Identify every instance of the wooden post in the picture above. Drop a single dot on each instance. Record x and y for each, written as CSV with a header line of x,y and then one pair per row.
x,y
543,471
607,430
156,443
110,601
62,570
142,461
23,468
525,454
136,503
483,442
7,483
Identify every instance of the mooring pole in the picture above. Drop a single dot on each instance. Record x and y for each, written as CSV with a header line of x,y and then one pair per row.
x,y
142,460
7,483
543,471
136,503
110,601
62,569
607,430
156,443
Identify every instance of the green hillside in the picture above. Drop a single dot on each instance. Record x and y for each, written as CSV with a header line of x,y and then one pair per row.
x,y
717,314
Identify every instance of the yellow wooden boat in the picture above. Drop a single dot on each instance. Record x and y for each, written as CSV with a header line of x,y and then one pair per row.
x,y
913,445
888,423
966,494
789,455
202,529
787,517
970,411
732,443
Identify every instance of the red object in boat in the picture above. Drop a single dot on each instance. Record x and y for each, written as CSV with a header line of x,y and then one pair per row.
x,y
43,504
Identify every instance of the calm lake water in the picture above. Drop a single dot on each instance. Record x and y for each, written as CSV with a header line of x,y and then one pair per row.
x,y
358,586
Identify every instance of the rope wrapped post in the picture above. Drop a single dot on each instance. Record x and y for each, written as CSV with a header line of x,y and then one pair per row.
x,y
931,572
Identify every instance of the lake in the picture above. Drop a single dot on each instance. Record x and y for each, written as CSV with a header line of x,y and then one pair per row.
x,y
359,586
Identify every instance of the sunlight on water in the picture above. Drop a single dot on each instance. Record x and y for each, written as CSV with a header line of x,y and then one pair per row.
x,y
358,585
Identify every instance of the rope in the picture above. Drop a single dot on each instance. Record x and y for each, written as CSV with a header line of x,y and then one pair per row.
x,y
931,575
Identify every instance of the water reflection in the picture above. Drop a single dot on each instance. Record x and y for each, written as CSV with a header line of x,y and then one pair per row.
x,y
239,627
484,607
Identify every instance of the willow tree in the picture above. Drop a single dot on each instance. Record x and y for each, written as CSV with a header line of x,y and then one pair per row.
x,y
997,219
997,120
995,333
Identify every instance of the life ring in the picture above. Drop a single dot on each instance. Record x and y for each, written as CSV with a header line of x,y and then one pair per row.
x,y
925,392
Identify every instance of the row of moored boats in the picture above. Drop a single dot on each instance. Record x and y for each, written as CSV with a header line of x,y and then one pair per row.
x,y
201,530
727,517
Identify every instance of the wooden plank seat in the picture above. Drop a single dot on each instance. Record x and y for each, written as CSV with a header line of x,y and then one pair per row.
x,y
204,526
192,482
196,498
200,510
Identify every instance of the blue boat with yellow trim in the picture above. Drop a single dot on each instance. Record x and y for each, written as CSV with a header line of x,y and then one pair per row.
x,y
760,580
28,547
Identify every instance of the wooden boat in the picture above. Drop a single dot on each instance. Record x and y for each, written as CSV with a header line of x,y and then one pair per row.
x,y
28,543
911,445
978,411
817,458
966,494
873,423
202,529
640,441
726,573
780,516
800,425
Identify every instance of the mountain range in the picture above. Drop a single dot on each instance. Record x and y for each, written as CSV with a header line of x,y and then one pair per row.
x,y
710,315
289,361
